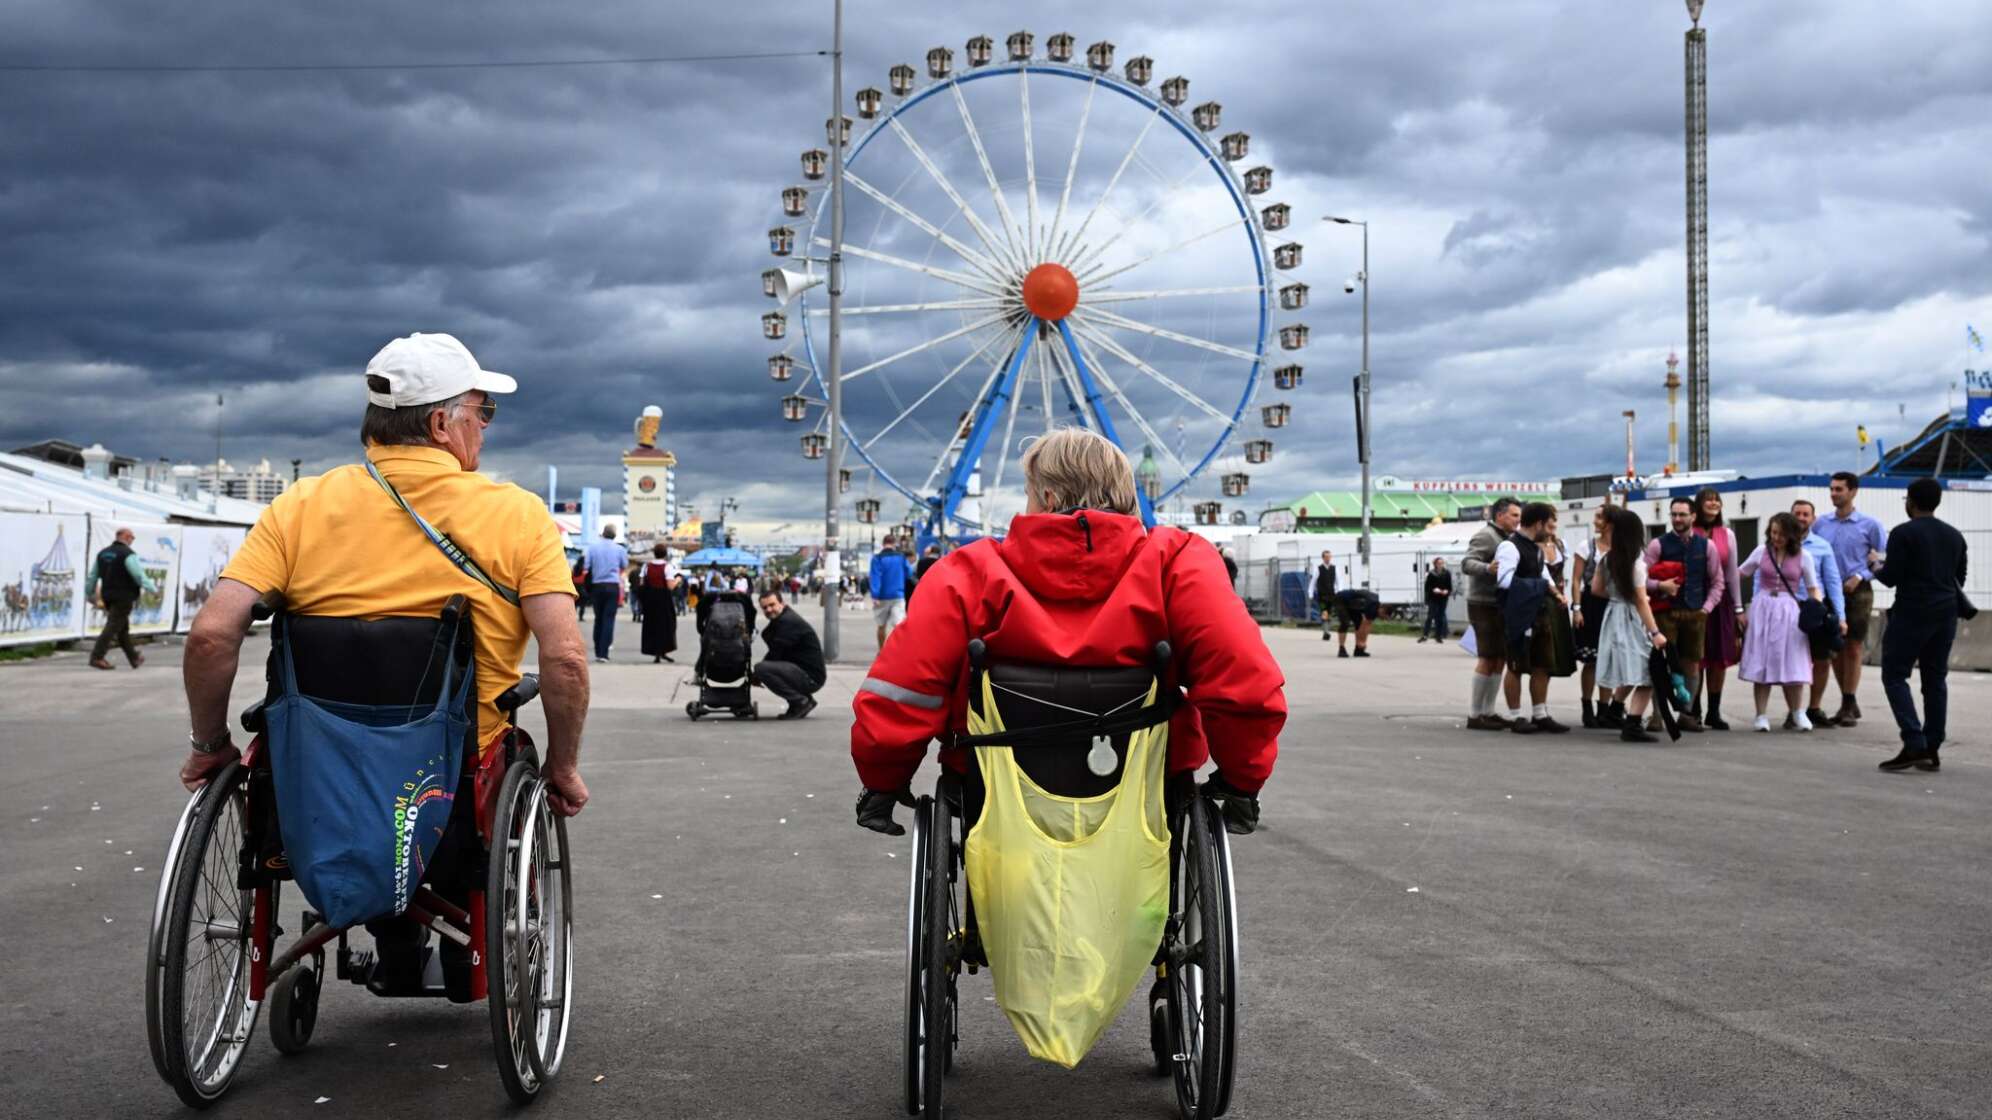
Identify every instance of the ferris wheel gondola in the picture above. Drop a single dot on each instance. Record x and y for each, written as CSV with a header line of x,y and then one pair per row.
x,y
1036,239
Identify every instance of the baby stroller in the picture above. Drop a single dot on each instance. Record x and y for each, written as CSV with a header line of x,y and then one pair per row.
x,y
725,624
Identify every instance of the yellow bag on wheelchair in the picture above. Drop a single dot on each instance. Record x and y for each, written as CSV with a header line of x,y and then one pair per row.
x,y
1070,894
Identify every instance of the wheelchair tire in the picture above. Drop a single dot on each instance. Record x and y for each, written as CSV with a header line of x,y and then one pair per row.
x,y
913,1034
1202,960
294,1005
208,984
529,944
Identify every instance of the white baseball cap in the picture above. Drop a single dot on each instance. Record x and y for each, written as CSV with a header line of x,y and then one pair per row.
x,y
426,368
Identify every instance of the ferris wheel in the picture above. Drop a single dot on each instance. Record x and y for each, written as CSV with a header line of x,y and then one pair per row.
x,y
1035,242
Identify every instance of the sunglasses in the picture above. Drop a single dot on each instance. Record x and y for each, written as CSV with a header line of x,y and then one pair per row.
x,y
487,411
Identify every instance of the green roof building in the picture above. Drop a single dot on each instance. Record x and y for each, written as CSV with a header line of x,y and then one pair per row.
x,y
1397,505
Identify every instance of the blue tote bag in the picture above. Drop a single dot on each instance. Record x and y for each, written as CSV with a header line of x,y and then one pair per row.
x,y
364,792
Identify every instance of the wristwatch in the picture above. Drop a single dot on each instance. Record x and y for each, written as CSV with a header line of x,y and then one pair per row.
x,y
211,746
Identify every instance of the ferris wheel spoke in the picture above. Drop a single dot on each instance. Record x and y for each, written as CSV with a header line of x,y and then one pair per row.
x,y
1108,318
1113,388
1088,260
947,187
960,436
1009,220
972,283
1030,169
1071,168
1167,293
925,346
1001,336
1078,235
1068,378
940,305
1107,343
981,263
1088,277
1003,460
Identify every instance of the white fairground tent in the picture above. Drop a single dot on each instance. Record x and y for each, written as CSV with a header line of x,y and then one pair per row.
x,y
53,519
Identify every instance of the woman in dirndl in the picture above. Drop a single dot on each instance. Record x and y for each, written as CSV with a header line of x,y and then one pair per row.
x,y
1725,639
1590,616
1627,636
657,589
1775,651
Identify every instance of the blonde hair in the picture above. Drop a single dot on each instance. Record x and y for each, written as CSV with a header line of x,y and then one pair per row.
x,y
1082,470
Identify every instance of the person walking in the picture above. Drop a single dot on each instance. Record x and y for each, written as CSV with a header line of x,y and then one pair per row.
x,y
1483,612
1723,646
1925,565
793,668
1824,642
1438,595
1627,632
657,595
1324,591
1685,584
115,582
607,563
1857,541
888,589
1775,651
1230,566
1589,616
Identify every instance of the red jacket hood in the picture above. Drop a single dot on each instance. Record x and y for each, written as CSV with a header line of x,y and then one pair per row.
x,y
1066,556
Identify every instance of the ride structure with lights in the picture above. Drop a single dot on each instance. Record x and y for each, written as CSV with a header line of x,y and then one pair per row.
x,y
1122,283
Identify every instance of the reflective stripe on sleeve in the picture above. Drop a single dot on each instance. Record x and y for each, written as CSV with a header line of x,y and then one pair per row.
x,y
903,695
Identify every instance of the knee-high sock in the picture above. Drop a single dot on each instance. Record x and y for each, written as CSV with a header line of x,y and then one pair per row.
x,y
1484,689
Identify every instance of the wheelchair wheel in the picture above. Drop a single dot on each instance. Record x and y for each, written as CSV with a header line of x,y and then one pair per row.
x,y
1203,965
693,710
933,958
198,984
294,1005
528,935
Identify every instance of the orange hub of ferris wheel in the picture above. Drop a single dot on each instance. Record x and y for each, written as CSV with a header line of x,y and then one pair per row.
x,y
1051,292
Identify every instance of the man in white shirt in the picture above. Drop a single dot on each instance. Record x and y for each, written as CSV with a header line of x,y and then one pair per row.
x,y
1526,589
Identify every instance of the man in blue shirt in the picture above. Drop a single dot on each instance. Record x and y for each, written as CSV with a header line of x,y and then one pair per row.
x,y
888,588
606,563
124,579
1820,555
1858,543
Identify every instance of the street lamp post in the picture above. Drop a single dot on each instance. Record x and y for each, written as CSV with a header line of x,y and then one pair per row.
x,y
834,383
1363,396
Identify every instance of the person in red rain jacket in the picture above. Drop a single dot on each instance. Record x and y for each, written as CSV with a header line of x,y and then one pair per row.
x,y
1077,581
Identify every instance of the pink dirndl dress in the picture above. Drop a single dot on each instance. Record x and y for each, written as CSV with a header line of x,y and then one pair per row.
x,y
1724,647
1775,650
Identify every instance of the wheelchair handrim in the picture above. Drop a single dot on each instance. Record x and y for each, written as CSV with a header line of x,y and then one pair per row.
x,y
912,1038
155,945
550,1025
205,1070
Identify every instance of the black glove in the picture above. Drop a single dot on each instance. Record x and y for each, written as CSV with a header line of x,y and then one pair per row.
x,y
1241,809
875,810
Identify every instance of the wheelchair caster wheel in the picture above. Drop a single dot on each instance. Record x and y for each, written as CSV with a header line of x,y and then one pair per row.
x,y
294,1007
692,710
1158,1036
753,711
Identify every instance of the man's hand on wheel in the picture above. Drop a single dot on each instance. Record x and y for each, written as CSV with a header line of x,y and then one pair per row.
x,y
566,792
1241,809
875,810
200,767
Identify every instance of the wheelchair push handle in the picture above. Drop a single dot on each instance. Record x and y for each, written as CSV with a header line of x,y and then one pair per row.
x,y
519,695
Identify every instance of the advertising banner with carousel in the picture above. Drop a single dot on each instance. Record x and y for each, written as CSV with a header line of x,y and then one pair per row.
x,y
42,561
204,551
158,549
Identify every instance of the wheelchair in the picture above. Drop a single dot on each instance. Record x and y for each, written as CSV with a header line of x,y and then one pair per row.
x,y
213,958
1193,1027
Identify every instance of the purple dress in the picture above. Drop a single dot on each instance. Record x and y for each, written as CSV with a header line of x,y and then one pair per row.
x,y
1775,650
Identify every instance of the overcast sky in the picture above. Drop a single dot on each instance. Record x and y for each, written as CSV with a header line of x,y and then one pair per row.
x,y
599,231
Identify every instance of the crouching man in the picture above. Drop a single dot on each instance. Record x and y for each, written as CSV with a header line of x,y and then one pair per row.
x,y
793,668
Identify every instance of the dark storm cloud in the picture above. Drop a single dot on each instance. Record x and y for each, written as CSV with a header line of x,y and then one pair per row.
x,y
599,230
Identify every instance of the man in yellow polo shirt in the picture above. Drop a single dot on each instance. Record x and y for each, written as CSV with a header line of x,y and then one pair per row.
x,y
339,545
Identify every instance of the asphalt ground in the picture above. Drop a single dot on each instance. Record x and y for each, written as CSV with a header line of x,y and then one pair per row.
x,y
1437,923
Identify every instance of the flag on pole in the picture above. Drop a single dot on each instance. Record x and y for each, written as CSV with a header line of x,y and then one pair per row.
x,y
1861,431
1972,337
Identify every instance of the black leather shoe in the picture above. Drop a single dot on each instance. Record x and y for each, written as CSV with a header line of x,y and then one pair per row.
x,y
1929,761
1631,732
1905,760
1341,653
797,711
1819,717
1361,652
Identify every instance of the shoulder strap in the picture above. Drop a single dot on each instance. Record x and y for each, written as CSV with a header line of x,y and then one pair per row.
x,y
443,542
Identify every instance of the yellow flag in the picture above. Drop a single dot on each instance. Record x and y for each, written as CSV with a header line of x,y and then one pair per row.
x,y
1862,431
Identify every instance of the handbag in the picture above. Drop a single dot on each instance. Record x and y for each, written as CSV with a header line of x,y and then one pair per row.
x,y
1813,615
